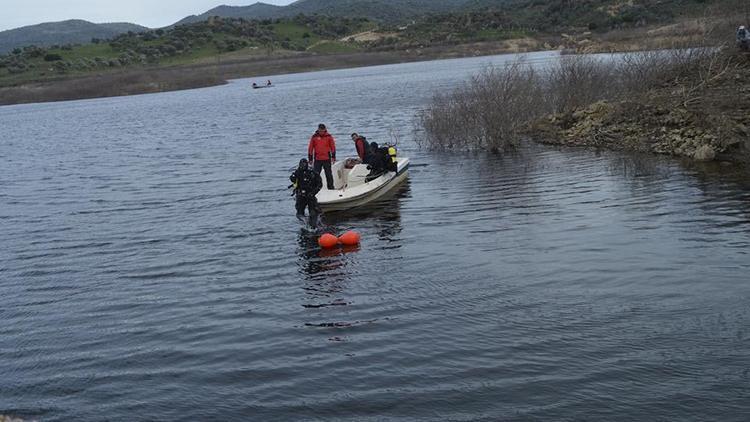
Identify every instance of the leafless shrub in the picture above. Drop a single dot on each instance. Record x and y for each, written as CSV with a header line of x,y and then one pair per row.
x,y
577,81
492,109
486,113
641,69
704,70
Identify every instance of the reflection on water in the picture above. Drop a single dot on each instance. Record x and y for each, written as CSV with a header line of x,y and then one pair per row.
x,y
151,268
384,214
328,272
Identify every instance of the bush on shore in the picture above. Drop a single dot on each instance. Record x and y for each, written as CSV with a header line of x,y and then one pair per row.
x,y
500,106
488,112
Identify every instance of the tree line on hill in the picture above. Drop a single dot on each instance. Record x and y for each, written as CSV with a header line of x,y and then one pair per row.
x,y
488,20
215,35
480,20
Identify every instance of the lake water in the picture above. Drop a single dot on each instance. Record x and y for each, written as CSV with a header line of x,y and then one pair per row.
x,y
151,268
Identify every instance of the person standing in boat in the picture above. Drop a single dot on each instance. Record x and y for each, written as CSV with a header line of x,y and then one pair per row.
x,y
307,183
322,149
360,143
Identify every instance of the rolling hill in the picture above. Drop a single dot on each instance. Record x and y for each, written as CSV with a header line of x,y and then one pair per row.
x,y
378,10
254,11
59,33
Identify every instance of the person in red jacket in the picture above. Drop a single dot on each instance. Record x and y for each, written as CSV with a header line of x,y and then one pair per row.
x,y
361,144
322,150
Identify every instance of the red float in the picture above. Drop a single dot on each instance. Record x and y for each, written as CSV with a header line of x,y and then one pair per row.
x,y
350,238
328,241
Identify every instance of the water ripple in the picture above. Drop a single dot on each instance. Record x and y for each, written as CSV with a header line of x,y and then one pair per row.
x,y
151,268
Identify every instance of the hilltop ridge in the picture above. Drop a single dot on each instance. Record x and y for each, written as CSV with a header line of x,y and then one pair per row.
x,y
72,31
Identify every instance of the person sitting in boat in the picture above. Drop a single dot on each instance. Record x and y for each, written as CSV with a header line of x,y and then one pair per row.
x,y
307,183
268,83
360,143
376,162
322,148
255,85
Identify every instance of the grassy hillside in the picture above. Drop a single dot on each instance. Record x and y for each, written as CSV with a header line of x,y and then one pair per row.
x,y
184,44
496,20
533,23
600,15
378,10
255,11
60,33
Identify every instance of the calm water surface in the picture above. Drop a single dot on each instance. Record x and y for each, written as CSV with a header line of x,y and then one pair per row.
x,y
151,268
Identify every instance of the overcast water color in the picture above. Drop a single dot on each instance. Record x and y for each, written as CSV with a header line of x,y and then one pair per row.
x,y
151,268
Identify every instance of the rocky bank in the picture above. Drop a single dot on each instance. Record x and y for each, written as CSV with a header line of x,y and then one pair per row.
x,y
705,116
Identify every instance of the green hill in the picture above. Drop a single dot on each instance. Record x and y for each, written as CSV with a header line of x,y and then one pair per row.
x,y
378,10
493,20
60,33
254,11
602,15
239,38
184,44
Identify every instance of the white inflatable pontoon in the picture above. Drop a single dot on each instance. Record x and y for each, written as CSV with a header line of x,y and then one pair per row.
x,y
352,187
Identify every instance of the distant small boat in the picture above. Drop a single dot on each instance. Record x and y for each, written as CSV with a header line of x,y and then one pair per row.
x,y
256,86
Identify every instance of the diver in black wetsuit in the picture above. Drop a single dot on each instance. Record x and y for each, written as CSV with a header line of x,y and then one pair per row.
x,y
307,183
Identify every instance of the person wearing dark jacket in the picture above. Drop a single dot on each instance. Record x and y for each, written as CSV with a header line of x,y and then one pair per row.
x,y
360,143
322,149
743,38
307,183
376,162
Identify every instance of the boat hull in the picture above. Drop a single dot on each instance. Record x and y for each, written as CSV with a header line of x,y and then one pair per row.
x,y
345,199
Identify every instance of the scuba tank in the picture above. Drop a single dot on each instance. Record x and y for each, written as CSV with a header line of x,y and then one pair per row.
x,y
392,162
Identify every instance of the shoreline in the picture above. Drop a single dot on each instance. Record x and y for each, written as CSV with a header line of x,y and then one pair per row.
x,y
217,70
703,117
144,80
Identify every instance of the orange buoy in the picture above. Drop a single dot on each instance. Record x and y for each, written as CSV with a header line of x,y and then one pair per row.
x,y
350,238
328,241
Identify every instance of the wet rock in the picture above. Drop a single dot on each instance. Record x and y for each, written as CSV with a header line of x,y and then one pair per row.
x,y
705,153
659,121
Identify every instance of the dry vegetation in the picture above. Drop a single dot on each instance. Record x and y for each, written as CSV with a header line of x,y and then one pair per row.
x,y
691,102
487,113
698,109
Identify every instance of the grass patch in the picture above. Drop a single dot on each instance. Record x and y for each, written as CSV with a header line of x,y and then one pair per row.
x,y
293,31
